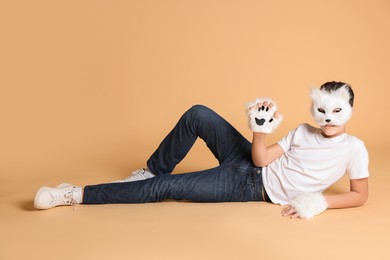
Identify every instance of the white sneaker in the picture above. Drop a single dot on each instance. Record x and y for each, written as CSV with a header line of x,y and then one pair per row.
x,y
63,194
137,175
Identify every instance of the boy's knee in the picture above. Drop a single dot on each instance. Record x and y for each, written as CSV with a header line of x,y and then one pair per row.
x,y
197,112
200,110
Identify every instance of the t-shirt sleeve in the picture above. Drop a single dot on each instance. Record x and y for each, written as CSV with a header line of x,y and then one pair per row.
x,y
285,142
358,165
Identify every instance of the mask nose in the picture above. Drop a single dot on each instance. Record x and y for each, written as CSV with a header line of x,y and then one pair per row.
x,y
328,120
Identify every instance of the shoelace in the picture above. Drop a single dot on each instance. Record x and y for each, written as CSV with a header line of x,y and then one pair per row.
x,y
70,199
137,172
136,175
64,197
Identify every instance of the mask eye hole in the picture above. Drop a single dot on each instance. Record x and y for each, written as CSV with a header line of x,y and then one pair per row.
x,y
337,110
321,110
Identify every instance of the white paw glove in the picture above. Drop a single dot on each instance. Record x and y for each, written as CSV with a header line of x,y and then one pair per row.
x,y
262,116
308,205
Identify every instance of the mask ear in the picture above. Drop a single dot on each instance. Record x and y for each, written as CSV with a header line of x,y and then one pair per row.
x,y
343,92
315,94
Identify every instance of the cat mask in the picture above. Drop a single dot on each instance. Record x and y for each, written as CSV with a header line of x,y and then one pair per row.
x,y
331,107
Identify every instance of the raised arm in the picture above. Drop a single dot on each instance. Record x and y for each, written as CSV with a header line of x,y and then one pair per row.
x,y
261,154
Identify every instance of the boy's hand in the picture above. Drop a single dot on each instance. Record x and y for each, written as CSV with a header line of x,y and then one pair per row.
x,y
306,206
263,116
289,211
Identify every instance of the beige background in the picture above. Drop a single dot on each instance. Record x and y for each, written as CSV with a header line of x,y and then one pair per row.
x,y
89,88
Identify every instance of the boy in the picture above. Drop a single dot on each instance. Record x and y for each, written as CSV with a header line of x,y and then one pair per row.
x,y
294,172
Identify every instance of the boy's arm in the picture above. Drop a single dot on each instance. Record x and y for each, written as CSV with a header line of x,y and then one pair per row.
x,y
261,154
357,196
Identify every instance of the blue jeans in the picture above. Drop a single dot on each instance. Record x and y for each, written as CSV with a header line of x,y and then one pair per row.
x,y
235,179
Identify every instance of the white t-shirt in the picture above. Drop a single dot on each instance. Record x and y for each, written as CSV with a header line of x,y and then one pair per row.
x,y
312,163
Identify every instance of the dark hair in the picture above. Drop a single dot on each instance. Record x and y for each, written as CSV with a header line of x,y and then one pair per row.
x,y
333,85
